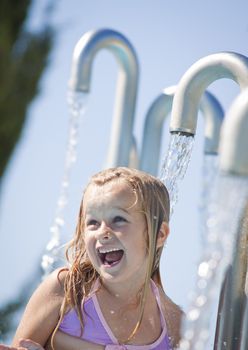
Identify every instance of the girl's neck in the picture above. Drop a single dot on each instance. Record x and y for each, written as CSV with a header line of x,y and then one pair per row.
x,y
123,293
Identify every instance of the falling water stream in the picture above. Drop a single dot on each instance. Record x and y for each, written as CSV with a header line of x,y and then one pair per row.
x,y
53,254
223,200
175,164
226,208
209,176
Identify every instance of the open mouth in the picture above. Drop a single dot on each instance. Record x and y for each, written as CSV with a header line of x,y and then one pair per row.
x,y
110,257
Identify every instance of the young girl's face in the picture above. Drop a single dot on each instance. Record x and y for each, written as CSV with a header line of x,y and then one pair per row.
x,y
115,232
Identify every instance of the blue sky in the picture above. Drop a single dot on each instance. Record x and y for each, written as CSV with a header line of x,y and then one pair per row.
x,y
168,36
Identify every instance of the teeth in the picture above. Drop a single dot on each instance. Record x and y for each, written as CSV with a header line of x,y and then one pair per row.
x,y
107,250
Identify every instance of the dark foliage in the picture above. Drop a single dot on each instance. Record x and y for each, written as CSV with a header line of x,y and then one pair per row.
x,y
23,58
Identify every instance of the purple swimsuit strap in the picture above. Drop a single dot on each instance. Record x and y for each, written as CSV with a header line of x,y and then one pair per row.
x,y
157,296
117,346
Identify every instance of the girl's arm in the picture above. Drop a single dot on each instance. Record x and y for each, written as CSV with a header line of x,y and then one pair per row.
x,y
63,341
40,318
42,311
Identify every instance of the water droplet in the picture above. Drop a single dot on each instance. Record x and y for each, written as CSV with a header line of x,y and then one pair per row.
x,y
201,300
59,221
203,269
185,344
193,315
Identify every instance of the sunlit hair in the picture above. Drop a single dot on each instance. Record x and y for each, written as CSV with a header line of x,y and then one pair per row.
x,y
153,200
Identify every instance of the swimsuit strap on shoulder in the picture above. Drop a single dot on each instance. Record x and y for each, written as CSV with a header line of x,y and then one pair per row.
x,y
115,347
157,296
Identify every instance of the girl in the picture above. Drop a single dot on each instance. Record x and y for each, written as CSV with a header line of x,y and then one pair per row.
x,y
111,295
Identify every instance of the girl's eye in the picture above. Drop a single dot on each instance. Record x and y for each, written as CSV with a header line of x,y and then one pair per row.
x,y
119,219
91,222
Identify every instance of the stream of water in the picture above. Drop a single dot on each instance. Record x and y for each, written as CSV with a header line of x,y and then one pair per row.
x,y
175,164
209,176
227,205
54,254
223,199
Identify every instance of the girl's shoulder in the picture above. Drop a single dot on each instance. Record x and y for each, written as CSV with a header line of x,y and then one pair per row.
x,y
51,289
54,283
42,311
173,315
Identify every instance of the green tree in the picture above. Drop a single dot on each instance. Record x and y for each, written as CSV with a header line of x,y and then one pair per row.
x,y
23,58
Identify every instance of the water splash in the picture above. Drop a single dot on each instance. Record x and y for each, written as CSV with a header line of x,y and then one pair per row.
x,y
209,176
227,207
175,164
53,256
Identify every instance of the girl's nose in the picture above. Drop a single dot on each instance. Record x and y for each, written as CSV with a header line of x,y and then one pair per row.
x,y
104,233
105,236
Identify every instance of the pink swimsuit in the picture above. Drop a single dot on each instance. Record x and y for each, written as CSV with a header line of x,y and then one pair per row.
x,y
96,329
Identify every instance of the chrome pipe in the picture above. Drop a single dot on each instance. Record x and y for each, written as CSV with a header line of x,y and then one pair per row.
x,y
195,81
83,56
234,160
234,138
161,107
234,296
152,133
224,303
244,336
133,156
213,115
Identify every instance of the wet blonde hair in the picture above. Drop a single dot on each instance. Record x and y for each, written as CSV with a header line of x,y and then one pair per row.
x,y
153,200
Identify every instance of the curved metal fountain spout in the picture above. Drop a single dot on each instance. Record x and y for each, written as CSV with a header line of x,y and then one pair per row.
x,y
156,115
83,57
234,161
195,81
234,138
